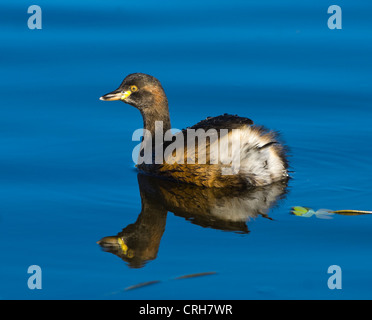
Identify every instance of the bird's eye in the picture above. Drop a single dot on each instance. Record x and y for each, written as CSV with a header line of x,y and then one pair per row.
x,y
133,88
130,254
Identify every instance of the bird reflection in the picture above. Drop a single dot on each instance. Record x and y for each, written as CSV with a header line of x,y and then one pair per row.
x,y
222,209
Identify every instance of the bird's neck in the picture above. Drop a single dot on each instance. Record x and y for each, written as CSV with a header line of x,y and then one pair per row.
x,y
156,120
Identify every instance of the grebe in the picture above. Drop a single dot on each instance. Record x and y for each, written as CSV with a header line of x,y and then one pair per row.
x,y
260,160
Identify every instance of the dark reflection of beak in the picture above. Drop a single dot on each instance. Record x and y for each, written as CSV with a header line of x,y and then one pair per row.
x,y
221,209
111,244
108,242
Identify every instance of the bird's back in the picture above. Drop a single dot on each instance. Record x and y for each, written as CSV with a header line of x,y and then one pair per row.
x,y
223,151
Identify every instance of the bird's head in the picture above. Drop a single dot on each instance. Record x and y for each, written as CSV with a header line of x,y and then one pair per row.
x,y
139,90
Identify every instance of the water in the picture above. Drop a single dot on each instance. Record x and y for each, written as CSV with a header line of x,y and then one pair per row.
x,y
67,176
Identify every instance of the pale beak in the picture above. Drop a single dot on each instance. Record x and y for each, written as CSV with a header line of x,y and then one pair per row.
x,y
116,95
113,242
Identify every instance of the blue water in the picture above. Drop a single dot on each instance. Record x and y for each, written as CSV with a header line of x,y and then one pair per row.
x,y
67,175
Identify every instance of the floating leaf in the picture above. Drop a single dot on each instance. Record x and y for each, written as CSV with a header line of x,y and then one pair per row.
x,y
325,213
302,211
325,217
352,212
299,211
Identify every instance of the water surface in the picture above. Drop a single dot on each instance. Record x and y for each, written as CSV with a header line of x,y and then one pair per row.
x,y
67,176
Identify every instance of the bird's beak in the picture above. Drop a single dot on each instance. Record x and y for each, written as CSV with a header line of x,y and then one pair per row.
x,y
113,242
116,95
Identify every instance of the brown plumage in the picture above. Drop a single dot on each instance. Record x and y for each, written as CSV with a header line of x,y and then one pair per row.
x,y
260,159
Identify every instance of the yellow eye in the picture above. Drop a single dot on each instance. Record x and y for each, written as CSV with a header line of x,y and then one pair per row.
x,y
133,88
130,254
